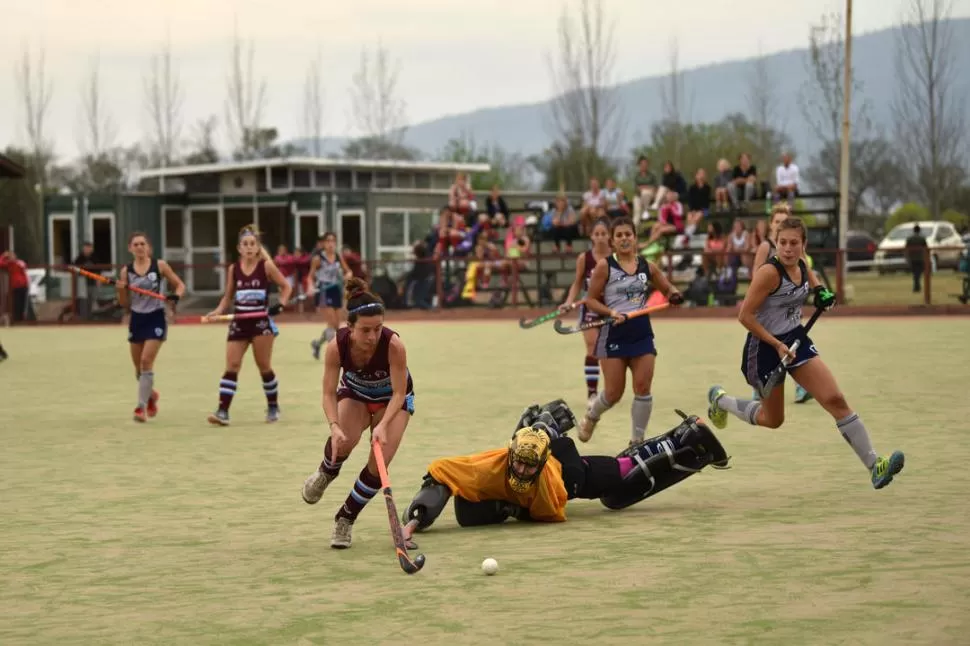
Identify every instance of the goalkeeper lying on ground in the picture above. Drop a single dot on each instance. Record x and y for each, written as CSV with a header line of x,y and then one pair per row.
x,y
541,469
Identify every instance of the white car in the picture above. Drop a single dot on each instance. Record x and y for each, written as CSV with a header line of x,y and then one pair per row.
x,y
941,237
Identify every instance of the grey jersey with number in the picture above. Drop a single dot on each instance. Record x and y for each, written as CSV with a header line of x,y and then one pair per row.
x,y
152,281
782,310
329,273
625,292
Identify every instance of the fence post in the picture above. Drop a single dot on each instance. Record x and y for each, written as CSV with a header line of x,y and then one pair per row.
x,y
438,287
839,277
927,273
74,313
515,282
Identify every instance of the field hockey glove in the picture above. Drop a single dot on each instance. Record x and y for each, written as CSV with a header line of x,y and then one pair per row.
x,y
275,309
173,298
676,298
824,299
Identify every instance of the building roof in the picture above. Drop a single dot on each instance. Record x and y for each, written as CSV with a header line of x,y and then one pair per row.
x,y
10,168
313,162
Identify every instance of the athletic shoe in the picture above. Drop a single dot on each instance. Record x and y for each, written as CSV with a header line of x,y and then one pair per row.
x,y
586,427
316,345
140,415
717,415
152,409
272,414
884,470
801,395
219,418
340,539
315,485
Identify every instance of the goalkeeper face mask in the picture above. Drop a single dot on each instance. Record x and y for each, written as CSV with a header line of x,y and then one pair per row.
x,y
528,452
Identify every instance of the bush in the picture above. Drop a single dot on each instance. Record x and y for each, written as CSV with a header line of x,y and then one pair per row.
x,y
957,219
909,212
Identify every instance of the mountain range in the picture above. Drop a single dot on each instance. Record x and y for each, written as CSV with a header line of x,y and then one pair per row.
x,y
713,91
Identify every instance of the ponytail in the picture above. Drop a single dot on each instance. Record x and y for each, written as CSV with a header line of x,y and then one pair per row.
x,y
360,301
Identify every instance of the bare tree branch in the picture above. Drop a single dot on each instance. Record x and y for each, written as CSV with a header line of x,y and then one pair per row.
x,y
245,99
586,112
676,105
928,109
378,112
97,131
313,106
163,100
35,89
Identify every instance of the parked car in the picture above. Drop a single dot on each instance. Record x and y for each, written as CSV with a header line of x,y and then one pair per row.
x,y
861,250
942,238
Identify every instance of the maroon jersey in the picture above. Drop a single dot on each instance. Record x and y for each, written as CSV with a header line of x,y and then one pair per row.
x,y
370,383
251,295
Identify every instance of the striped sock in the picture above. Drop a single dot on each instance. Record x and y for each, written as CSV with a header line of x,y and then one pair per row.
x,y
365,488
271,387
592,369
331,463
227,390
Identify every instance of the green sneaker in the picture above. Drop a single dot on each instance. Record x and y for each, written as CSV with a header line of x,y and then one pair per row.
x,y
801,395
718,417
884,470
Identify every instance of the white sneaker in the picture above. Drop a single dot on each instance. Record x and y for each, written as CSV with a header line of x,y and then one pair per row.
x,y
586,427
340,539
314,486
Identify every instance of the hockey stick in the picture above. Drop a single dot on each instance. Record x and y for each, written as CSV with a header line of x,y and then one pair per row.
x,y
233,317
778,373
539,320
400,544
114,282
566,329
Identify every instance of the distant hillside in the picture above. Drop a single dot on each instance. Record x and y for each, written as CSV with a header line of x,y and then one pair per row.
x,y
716,90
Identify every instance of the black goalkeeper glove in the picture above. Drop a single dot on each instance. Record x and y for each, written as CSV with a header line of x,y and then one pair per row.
x,y
824,299
275,309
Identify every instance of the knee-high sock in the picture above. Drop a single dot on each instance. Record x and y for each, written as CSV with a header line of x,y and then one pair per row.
x,y
145,382
227,389
271,387
640,415
600,405
855,433
745,410
592,369
364,489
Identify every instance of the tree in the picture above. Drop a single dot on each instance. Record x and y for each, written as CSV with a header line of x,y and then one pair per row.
x,y
674,102
244,100
379,148
569,166
821,99
762,109
202,146
510,171
36,90
379,114
96,128
163,99
909,212
928,109
585,113
313,107
877,175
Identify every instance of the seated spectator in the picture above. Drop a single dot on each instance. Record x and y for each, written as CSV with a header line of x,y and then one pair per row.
x,y
738,245
786,179
497,209
698,198
646,187
722,185
745,180
461,199
451,231
615,200
670,221
714,248
670,182
594,207
517,246
563,224
757,236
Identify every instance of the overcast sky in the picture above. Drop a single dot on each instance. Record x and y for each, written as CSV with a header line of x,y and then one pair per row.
x,y
454,55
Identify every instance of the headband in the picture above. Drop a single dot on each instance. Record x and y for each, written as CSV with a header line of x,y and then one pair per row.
x,y
247,232
367,306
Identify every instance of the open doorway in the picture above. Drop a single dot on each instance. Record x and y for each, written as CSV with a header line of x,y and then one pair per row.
x,y
351,231
103,238
310,230
63,246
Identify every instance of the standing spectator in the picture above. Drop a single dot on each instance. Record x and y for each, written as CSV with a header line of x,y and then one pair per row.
x,y
421,278
301,262
646,186
498,210
461,200
786,179
564,225
286,264
615,200
355,263
915,251
19,283
86,260
594,206
745,180
698,198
